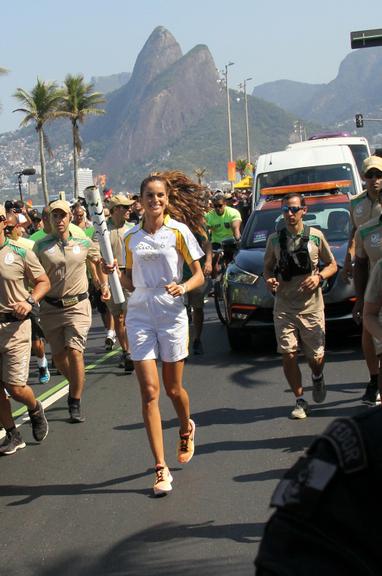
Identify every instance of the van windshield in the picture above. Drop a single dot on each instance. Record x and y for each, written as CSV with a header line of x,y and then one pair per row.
x,y
307,175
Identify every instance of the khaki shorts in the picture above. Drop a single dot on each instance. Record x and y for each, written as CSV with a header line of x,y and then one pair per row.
x,y
66,327
15,352
305,330
195,298
117,309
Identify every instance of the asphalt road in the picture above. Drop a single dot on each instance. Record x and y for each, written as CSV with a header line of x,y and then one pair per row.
x,y
81,502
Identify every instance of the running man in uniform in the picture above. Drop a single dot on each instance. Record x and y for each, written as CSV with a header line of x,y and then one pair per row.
x,y
66,310
18,269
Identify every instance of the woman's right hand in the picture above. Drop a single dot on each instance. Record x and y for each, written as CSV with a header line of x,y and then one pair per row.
x,y
109,268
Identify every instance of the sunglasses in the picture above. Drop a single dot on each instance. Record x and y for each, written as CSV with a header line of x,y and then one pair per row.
x,y
218,205
293,209
373,174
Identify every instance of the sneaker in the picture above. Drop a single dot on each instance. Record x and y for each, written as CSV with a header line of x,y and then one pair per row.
x,y
12,442
371,396
197,347
109,343
43,375
301,410
128,364
163,479
40,427
75,413
186,445
319,389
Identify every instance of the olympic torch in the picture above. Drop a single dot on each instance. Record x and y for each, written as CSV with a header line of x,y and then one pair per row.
x,y
94,203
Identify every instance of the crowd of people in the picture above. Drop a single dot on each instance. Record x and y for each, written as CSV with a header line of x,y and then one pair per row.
x,y
52,275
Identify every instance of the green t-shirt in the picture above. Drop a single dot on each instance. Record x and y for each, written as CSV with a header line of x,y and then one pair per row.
x,y
220,225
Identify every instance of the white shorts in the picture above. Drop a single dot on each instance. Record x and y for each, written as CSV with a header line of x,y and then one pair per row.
x,y
157,325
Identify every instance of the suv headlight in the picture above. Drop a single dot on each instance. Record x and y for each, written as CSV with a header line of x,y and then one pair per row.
x,y
236,274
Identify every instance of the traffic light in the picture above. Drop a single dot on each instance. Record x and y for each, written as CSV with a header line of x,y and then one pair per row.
x,y
359,120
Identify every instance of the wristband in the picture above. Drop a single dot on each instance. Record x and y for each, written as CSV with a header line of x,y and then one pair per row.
x,y
183,288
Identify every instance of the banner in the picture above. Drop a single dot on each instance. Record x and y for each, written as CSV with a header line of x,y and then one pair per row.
x,y
231,171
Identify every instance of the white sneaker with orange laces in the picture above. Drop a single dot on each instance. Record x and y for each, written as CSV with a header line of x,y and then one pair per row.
x,y
186,444
163,481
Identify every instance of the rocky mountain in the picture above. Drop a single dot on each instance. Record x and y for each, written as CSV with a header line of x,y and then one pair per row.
x,y
356,88
167,93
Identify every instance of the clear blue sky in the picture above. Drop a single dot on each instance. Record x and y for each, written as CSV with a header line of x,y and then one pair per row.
x,y
267,40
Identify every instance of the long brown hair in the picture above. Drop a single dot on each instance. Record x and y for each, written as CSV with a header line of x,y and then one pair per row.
x,y
186,198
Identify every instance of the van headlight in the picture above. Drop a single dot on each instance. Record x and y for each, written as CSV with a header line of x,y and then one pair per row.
x,y
240,276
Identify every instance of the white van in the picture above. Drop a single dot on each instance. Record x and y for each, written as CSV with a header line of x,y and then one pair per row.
x,y
358,145
305,165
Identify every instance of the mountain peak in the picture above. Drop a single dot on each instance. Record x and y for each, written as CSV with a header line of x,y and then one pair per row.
x,y
160,51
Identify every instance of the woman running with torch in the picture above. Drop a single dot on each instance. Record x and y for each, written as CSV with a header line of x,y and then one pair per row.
x,y
156,321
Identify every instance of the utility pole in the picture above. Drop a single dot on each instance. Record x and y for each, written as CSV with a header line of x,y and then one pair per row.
x,y
225,74
243,87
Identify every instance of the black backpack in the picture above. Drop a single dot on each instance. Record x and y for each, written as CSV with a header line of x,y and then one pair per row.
x,y
329,509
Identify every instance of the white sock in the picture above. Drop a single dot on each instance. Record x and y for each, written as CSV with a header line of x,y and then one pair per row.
x,y
316,377
42,362
110,334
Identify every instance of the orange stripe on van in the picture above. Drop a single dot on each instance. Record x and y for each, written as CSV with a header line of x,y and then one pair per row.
x,y
301,188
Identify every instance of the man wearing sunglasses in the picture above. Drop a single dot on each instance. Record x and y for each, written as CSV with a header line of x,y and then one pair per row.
x,y
292,273
368,250
223,221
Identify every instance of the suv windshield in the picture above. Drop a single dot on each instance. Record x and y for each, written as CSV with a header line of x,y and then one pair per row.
x,y
307,175
332,219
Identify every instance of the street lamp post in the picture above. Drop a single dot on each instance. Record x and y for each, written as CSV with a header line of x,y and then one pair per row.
x,y
25,172
225,74
243,86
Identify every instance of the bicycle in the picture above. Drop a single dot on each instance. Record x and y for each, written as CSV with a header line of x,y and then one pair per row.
x,y
223,255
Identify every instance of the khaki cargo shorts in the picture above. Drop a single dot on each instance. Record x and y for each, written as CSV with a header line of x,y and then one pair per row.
x,y
66,327
117,309
300,330
15,352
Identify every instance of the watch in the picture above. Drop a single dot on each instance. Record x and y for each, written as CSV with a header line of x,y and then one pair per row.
x,y
322,279
30,300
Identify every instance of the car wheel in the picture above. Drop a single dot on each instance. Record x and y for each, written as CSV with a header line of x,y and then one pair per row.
x,y
238,339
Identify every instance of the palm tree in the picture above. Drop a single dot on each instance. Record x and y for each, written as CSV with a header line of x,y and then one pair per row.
x,y
79,101
199,173
241,163
39,106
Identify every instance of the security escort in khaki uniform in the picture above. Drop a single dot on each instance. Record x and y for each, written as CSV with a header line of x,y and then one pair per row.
x,y
363,208
291,271
18,269
66,310
368,249
372,314
118,227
